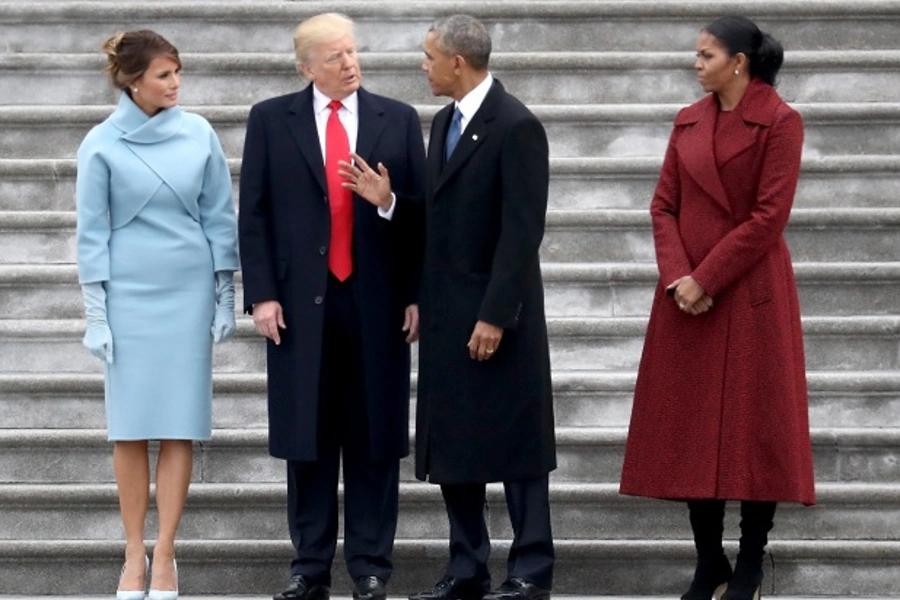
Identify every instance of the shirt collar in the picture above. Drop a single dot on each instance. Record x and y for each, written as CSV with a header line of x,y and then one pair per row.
x,y
471,102
321,101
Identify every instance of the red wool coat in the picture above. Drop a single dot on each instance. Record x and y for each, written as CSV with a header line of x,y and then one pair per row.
x,y
720,407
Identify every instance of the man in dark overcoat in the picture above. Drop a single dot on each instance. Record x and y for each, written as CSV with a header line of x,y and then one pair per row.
x,y
330,268
485,404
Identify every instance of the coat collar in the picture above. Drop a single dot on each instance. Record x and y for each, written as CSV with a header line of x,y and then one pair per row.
x,y
301,121
139,128
474,136
696,145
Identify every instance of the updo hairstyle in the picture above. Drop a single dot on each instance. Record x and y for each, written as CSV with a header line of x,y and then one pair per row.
x,y
129,53
740,34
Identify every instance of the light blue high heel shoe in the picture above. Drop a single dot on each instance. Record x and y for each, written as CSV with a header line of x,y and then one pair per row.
x,y
134,594
166,594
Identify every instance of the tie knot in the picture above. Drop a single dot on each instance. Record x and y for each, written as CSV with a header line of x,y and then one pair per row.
x,y
335,105
457,115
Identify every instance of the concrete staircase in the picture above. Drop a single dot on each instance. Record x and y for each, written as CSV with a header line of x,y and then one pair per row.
x,y
607,78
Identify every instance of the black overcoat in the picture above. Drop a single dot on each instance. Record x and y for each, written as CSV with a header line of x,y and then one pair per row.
x,y
284,226
485,214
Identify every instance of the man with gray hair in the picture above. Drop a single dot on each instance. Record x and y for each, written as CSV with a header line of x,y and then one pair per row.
x,y
331,268
485,402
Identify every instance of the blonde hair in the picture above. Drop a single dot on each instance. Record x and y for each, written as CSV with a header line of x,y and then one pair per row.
x,y
325,27
129,53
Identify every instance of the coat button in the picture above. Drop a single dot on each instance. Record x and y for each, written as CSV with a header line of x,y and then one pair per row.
x,y
323,250
318,300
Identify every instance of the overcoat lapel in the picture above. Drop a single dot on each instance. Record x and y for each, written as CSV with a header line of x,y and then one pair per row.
x,y
696,146
475,134
696,149
371,125
435,159
302,123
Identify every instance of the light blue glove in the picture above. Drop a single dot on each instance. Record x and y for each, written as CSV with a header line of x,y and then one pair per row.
x,y
223,326
97,337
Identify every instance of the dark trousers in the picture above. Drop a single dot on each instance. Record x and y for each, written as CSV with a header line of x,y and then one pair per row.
x,y
531,555
370,488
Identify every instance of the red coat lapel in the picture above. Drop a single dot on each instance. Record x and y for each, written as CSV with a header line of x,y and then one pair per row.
x,y
696,147
696,150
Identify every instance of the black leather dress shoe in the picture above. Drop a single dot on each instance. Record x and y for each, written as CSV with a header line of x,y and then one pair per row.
x,y
451,588
301,588
368,588
516,588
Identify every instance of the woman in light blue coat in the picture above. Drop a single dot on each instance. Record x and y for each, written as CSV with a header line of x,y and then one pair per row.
x,y
157,249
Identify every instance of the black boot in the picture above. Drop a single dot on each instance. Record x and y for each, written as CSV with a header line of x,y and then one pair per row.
x,y
756,523
712,571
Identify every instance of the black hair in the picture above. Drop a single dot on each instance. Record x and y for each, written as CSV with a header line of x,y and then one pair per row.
x,y
739,34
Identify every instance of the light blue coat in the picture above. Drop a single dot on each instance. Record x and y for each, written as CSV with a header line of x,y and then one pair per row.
x,y
156,220
117,158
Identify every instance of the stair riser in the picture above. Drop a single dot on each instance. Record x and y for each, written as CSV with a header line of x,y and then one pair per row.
x,y
635,244
572,409
562,298
566,139
614,353
574,299
375,33
599,518
569,243
593,573
839,353
567,191
626,190
215,463
552,86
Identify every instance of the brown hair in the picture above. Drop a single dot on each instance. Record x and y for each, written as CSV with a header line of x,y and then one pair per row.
x,y
129,53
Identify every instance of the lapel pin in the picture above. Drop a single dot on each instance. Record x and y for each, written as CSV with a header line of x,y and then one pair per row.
x,y
475,137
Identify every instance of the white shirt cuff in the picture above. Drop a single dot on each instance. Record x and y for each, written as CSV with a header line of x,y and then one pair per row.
x,y
389,213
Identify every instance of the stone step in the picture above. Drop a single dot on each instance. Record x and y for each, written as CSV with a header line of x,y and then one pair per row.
x,y
534,77
570,289
390,26
575,183
814,235
626,289
499,576
845,343
623,567
573,130
581,398
249,511
584,455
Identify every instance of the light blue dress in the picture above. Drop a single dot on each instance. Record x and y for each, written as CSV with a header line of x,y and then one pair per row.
x,y
156,220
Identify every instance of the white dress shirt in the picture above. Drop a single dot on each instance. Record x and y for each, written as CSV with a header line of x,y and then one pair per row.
x,y
472,101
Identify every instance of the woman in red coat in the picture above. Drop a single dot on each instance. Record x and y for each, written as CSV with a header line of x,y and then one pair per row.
x,y
720,406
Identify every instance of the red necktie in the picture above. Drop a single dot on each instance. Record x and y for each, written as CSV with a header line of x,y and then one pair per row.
x,y
340,199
